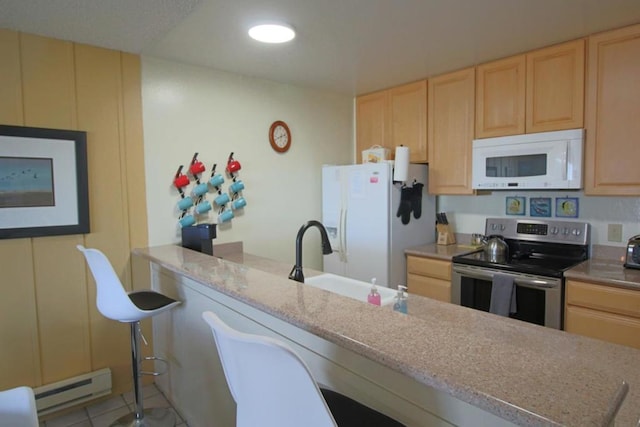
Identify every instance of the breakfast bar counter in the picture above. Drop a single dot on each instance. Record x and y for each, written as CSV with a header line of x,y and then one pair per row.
x,y
514,373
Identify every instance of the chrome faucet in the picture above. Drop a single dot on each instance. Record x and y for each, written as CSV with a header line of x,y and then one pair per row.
x,y
296,272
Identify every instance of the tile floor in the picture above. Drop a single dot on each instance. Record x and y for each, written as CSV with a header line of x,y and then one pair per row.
x,y
104,413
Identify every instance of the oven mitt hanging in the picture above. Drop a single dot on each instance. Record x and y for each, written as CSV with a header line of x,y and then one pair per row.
x,y
416,200
404,210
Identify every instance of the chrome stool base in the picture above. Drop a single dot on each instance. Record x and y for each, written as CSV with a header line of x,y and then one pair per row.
x,y
153,417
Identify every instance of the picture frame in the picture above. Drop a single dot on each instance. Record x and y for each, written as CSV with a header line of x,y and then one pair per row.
x,y
515,205
44,187
567,207
540,206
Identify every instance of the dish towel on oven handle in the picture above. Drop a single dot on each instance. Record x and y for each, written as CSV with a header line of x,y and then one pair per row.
x,y
503,295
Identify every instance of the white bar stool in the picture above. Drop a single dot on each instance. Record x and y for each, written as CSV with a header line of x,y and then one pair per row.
x,y
18,408
115,303
273,387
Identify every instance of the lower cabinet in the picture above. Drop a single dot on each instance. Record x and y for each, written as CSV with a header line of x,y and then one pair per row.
x,y
603,312
429,277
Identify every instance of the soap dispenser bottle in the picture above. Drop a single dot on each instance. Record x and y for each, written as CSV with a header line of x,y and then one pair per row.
x,y
400,304
374,296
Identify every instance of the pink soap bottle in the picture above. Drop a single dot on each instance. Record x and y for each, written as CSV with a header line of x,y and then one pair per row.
x,y
374,296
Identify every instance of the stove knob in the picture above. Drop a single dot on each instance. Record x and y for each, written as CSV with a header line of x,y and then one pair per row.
x,y
494,226
502,227
554,230
565,231
576,232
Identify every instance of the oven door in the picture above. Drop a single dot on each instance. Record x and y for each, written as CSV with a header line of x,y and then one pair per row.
x,y
538,298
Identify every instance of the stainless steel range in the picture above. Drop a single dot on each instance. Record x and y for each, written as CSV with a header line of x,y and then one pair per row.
x,y
539,251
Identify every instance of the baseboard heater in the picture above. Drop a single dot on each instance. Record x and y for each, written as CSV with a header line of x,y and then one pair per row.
x,y
72,391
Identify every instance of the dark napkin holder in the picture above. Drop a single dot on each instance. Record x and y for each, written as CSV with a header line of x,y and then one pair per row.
x,y
199,237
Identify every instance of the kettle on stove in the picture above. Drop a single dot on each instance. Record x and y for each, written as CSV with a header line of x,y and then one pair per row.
x,y
496,249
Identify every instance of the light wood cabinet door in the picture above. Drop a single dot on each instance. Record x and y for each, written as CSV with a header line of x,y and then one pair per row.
x,y
555,87
408,119
450,130
429,287
371,122
604,326
604,312
500,97
428,277
612,113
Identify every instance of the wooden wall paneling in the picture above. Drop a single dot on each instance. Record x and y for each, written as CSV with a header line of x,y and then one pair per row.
x,y
134,149
132,145
10,79
59,275
19,357
48,80
99,98
63,317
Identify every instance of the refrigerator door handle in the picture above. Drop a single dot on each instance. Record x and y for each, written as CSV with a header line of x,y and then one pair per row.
x,y
343,236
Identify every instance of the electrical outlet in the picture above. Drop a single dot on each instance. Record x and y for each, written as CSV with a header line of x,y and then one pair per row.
x,y
614,233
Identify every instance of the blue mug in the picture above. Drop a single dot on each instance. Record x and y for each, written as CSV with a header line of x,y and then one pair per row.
x,y
201,189
203,207
222,199
236,187
216,180
225,216
187,221
239,203
185,203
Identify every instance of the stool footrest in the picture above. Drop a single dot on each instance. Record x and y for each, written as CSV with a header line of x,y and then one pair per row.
x,y
156,359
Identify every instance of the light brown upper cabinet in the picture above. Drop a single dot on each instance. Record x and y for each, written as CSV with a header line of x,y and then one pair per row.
x,y
394,117
613,113
450,125
540,91
371,122
500,92
555,87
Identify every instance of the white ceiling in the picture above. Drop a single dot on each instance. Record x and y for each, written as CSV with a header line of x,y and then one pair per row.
x,y
348,46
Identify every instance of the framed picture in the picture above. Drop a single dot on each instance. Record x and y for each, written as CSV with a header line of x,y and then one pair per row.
x,y
567,207
540,206
43,182
516,205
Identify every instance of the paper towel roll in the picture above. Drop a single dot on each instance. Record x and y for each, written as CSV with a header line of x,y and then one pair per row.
x,y
401,170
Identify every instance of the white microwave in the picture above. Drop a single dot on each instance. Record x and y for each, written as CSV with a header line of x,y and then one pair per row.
x,y
535,161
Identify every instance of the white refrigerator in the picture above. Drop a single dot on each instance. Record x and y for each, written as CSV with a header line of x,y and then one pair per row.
x,y
360,204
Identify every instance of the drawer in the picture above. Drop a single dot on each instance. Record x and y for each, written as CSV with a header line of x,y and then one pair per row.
x,y
429,287
604,326
429,267
603,298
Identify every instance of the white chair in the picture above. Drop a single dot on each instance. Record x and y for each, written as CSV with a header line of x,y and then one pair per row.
x,y
18,408
273,387
115,303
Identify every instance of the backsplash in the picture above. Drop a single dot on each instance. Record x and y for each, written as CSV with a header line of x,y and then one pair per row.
x,y
468,213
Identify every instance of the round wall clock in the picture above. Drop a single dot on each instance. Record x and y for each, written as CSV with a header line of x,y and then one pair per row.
x,y
280,136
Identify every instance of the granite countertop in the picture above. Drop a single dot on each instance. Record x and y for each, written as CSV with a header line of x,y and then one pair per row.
x,y
443,252
606,272
524,373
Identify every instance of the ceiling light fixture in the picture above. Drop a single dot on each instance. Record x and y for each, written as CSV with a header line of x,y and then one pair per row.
x,y
272,33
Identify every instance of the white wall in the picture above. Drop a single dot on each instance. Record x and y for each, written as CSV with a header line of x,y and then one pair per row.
x,y
189,109
467,213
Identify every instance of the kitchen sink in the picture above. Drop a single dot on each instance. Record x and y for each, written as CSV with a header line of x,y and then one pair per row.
x,y
355,289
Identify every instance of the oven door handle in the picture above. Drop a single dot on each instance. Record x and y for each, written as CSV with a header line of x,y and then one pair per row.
x,y
527,282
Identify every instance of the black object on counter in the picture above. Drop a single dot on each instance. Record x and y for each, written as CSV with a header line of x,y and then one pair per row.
x,y
199,237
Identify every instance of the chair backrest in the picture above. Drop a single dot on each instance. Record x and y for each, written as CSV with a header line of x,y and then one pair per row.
x,y
271,384
18,408
111,298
